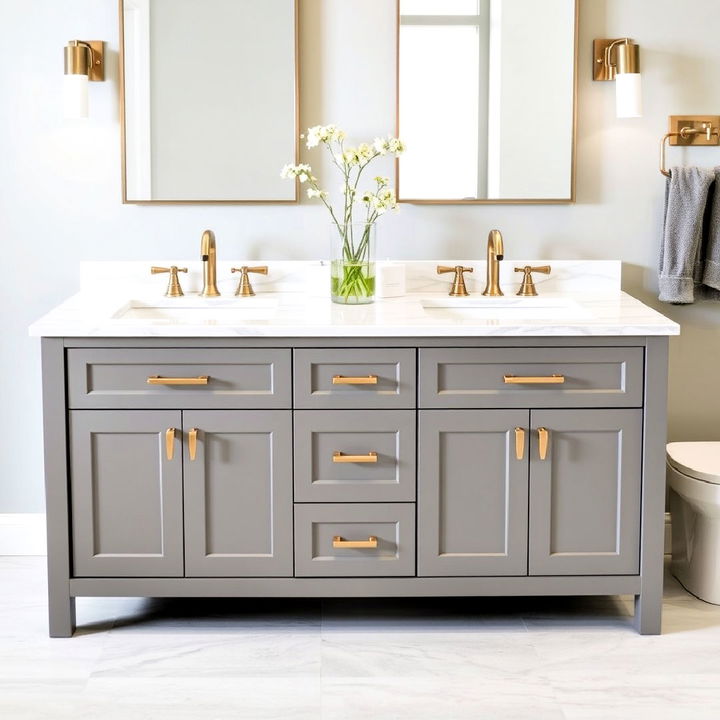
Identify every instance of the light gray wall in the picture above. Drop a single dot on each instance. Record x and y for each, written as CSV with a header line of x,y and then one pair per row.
x,y
60,185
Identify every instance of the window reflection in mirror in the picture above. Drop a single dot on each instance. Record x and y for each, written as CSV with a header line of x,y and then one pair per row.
x,y
486,100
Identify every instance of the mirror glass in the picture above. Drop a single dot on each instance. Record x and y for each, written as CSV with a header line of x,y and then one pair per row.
x,y
486,100
209,100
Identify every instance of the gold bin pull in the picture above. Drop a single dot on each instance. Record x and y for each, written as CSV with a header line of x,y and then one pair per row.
x,y
340,542
533,379
543,437
170,443
362,380
157,380
192,443
338,457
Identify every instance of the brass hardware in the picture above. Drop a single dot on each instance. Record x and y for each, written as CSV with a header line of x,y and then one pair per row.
x,y
170,443
519,443
173,288
527,288
208,254
338,457
362,380
340,542
533,379
627,58
192,443
458,288
689,130
157,380
244,288
495,253
543,437
85,57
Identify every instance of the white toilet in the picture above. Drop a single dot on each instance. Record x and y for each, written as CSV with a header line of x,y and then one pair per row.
x,y
693,475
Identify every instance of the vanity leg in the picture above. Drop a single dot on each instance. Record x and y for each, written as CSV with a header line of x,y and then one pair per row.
x,y
61,607
61,612
648,604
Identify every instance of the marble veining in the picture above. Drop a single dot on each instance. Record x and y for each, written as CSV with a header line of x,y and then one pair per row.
x,y
292,302
353,659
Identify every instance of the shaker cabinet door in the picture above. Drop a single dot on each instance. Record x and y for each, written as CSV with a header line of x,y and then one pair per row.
x,y
472,492
238,493
126,489
585,493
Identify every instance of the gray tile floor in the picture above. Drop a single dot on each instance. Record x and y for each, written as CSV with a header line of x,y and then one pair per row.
x,y
499,659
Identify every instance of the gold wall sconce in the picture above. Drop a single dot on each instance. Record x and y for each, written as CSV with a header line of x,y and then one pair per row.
x,y
619,60
84,62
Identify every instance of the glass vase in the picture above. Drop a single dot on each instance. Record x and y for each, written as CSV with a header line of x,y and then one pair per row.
x,y
352,263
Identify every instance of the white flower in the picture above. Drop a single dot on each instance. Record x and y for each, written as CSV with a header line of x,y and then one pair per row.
x,y
382,181
324,134
312,193
389,145
350,157
302,172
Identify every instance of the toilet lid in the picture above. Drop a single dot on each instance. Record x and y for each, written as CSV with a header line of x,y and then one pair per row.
x,y
700,460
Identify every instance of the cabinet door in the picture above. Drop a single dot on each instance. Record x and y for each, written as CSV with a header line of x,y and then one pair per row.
x,y
472,492
585,496
126,493
238,493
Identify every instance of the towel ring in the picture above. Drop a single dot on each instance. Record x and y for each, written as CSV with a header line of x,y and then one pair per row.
x,y
685,133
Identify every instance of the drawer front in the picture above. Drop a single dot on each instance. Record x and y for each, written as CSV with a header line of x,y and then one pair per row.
x,y
531,377
355,378
236,378
386,533
354,455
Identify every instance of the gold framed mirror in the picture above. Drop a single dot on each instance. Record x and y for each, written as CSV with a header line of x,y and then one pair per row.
x,y
486,101
209,100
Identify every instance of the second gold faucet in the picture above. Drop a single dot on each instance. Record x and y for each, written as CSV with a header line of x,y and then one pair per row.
x,y
495,253
208,255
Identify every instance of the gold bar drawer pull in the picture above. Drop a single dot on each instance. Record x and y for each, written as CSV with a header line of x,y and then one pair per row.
x,y
340,542
157,380
362,380
534,379
338,457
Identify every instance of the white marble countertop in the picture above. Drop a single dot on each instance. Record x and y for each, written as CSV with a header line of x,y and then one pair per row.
x,y
580,298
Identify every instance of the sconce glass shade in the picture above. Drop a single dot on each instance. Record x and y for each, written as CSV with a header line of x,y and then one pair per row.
x,y
75,97
628,95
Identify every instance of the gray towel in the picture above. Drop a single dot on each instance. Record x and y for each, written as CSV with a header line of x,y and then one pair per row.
x,y
686,195
710,254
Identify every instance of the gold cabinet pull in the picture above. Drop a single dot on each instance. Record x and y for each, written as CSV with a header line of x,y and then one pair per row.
x,y
362,380
338,457
519,443
543,437
157,380
534,379
340,542
192,443
170,443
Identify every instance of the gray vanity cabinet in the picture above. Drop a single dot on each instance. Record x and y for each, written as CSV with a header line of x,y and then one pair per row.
x,y
472,493
238,493
585,494
126,493
363,467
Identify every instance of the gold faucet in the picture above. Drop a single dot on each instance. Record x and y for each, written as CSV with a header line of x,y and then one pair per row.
x,y
458,288
209,260
495,252
173,288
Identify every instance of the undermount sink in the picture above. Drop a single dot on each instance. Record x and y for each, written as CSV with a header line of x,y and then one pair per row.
x,y
199,311
503,308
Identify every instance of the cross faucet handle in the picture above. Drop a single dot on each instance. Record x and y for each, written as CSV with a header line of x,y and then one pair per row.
x,y
458,288
173,288
244,288
527,288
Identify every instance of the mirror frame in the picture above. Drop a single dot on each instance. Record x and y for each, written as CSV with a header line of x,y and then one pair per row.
x,y
493,201
123,158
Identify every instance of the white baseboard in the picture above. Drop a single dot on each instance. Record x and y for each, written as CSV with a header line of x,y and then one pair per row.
x,y
22,534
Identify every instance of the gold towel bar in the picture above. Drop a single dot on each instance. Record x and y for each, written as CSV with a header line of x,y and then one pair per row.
x,y
694,130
